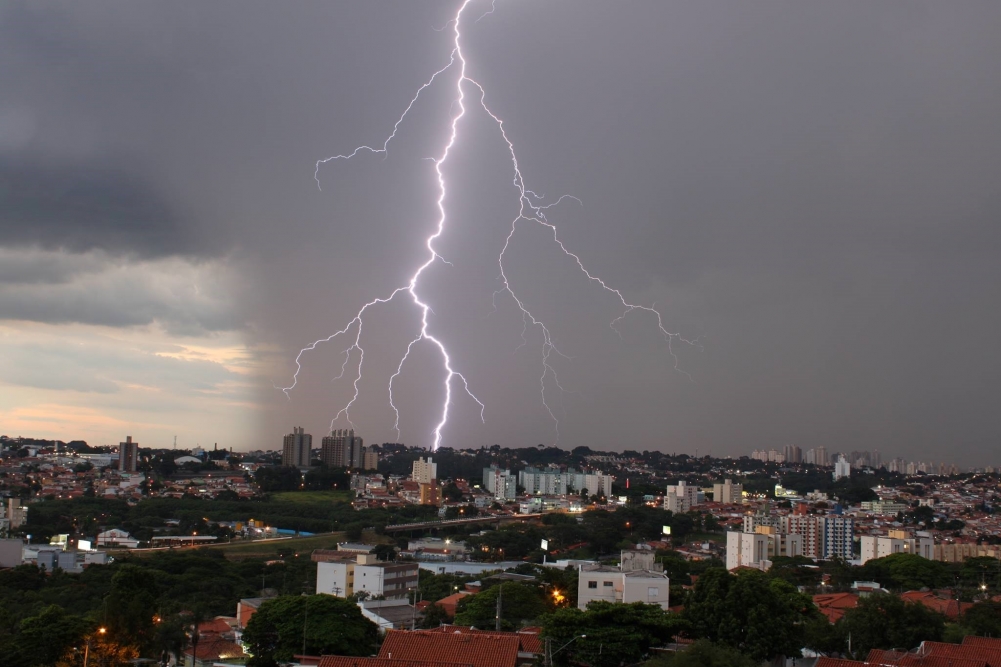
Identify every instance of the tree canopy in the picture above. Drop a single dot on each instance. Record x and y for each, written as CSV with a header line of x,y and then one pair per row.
x,y
330,625
760,616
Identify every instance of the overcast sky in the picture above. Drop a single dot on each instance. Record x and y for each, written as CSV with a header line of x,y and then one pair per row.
x,y
810,189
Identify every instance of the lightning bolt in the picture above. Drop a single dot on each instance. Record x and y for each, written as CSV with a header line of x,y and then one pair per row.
x,y
530,210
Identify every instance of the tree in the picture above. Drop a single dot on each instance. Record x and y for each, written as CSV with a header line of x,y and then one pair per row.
x,y
906,572
43,638
519,603
132,606
983,619
759,616
886,621
704,653
607,634
332,626
384,552
434,616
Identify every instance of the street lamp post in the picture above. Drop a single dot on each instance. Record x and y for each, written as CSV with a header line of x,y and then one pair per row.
x,y
550,652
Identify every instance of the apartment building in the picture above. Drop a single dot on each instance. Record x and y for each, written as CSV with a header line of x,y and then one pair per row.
x,y
636,579
728,492
897,542
681,497
759,548
347,575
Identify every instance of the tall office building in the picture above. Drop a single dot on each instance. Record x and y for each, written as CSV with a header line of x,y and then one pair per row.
x,y
128,455
296,448
342,449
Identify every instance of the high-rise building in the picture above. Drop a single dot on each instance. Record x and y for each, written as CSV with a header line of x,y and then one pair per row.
x,y
371,459
728,492
296,448
681,497
342,449
424,471
793,454
821,457
128,455
547,482
842,468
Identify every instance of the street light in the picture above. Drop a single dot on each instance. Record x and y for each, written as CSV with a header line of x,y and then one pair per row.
x,y
550,652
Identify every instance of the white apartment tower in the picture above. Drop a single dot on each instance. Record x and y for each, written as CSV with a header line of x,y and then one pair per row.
x,y
425,471
681,497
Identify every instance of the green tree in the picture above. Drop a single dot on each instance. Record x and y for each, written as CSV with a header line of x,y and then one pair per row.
x,y
132,606
704,653
43,638
886,621
906,572
434,616
607,634
332,626
759,616
519,603
983,619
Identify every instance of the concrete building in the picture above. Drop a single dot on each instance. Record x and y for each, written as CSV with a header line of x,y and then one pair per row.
x,y
823,536
842,468
883,507
548,482
15,514
424,471
371,459
364,573
296,448
728,492
759,548
793,454
128,455
501,483
11,552
681,497
636,579
343,449
897,542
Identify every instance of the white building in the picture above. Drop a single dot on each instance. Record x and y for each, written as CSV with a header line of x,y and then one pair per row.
x,y
116,538
842,468
343,577
424,471
681,497
728,492
549,482
637,579
759,548
897,542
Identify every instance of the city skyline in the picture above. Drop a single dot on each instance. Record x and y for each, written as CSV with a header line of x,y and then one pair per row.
x,y
826,233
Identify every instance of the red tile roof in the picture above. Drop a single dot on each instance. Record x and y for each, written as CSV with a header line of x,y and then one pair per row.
x,y
985,642
476,649
901,659
971,652
950,607
528,638
837,662
214,648
347,661
834,605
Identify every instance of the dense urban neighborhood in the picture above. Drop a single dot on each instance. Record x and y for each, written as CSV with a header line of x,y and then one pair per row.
x,y
350,554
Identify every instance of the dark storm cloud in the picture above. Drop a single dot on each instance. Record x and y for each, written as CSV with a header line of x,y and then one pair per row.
x,y
811,186
82,207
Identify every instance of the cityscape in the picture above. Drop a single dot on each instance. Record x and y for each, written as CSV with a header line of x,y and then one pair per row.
x,y
482,333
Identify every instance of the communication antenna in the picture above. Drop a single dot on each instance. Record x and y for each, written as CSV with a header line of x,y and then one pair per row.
x,y
175,442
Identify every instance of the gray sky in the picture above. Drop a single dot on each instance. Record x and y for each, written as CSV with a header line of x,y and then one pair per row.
x,y
809,188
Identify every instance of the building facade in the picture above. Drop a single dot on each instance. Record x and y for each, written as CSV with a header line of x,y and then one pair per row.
x,y
636,579
296,448
681,497
728,492
364,573
343,449
128,455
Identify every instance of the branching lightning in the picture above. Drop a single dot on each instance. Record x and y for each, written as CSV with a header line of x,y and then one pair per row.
x,y
530,210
